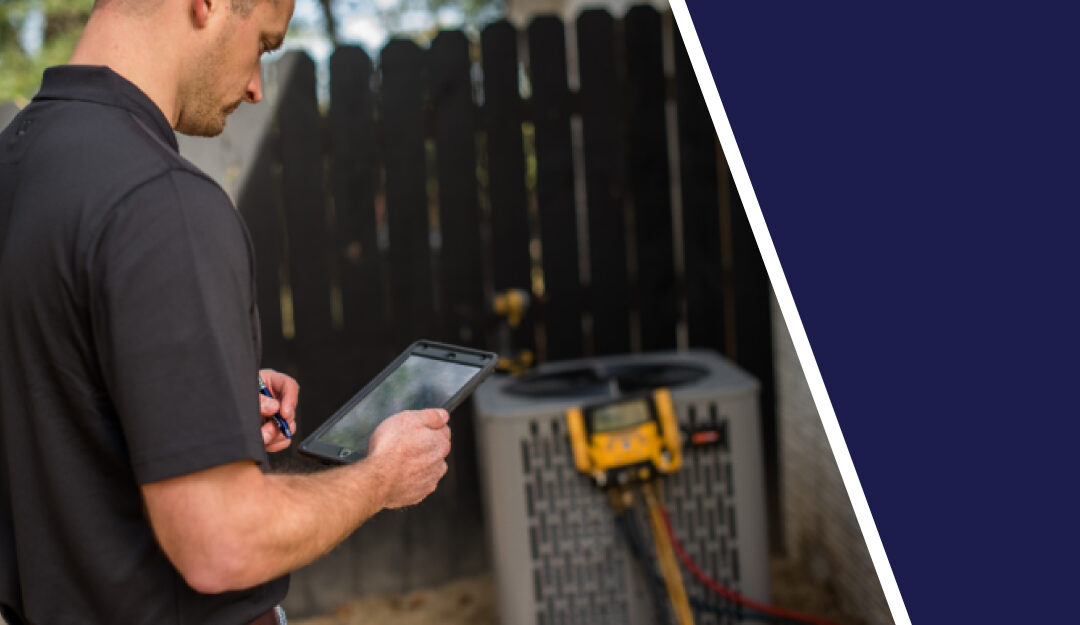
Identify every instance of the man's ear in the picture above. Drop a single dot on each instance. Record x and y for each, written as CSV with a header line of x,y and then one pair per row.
x,y
201,10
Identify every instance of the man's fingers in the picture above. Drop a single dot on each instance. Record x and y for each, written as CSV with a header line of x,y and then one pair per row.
x,y
434,418
272,437
285,393
268,430
285,389
289,395
268,406
279,445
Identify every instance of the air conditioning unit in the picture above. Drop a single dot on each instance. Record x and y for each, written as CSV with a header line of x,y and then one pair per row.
x,y
557,556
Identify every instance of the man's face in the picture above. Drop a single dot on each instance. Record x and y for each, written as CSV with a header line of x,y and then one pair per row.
x,y
227,72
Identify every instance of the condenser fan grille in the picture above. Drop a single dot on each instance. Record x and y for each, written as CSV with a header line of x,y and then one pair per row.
x,y
603,380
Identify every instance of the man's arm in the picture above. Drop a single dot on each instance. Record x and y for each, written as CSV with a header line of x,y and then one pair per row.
x,y
233,527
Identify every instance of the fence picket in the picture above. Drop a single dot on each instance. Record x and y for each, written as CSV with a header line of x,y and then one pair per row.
x,y
354,180
411,280
304,202
506,170
461,276
700,209
555,187
604,158
649,178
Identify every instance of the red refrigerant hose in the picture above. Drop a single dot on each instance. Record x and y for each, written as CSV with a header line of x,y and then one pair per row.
x,y
719,589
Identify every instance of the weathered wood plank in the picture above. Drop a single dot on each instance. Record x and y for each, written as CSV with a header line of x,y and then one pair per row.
x,y
649,178
506,169
304,202
354,181
412,283
555,187
461,271
700,209
604,184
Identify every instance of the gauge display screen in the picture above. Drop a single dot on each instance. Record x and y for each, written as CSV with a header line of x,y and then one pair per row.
x,y
620,416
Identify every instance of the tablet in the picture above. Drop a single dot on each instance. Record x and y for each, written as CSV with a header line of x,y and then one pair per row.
x,y
426,375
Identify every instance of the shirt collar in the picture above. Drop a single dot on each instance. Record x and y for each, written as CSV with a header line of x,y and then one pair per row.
x,y
104,86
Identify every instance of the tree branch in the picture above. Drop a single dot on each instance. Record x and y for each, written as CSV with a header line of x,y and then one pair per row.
x,y
331,22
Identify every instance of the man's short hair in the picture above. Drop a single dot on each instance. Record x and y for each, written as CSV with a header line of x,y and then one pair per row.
x,y
241,7
143,6
244,7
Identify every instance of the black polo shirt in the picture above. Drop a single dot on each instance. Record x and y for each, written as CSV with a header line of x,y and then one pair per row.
x,y
128,354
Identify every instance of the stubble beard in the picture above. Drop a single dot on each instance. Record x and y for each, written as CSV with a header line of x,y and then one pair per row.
x,y
201,119
202,114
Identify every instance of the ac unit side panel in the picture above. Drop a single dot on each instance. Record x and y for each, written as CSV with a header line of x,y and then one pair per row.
x,y
751,521
504,504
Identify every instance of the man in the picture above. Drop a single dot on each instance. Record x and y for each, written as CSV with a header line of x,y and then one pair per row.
x,y
132,451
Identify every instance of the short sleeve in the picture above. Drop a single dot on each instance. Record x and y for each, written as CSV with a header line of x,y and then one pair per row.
x,y
171,297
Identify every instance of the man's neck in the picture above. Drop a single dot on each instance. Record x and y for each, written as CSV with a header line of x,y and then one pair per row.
x,y
110,40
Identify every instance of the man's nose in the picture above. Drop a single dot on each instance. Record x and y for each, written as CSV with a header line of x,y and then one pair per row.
x,y
254,89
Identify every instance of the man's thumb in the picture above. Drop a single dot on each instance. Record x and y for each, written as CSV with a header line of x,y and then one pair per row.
x,y
435,418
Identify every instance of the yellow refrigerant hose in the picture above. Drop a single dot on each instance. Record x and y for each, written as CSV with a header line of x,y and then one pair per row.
x,y
665,555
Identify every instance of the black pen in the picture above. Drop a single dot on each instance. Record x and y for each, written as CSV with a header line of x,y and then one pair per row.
x,y
281,423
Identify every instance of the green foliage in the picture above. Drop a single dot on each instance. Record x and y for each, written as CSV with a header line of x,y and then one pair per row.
x,y
63,20
20,70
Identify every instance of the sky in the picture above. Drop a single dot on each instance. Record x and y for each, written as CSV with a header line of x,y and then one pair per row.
x,y
369,24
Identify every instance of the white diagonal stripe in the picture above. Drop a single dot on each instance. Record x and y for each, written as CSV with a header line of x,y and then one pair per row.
x,y
790,313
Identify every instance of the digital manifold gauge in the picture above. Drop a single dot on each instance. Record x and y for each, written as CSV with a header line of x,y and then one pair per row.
x,y
629,439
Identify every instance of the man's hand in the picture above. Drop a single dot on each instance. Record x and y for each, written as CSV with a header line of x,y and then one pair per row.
x,y
410,450
286,392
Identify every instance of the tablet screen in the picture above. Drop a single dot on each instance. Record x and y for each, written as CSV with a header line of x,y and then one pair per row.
x,y
418,383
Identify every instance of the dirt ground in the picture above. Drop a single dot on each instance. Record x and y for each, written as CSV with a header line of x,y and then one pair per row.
x,y
470,601
467,601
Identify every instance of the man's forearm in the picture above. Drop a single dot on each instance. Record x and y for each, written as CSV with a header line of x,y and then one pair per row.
x,y
232,526
244,527
304,516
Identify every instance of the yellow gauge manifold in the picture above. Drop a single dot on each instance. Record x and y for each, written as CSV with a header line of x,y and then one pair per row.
x,y
628,439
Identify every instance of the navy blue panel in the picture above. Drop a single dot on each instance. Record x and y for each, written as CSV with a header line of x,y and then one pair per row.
x,y
917,167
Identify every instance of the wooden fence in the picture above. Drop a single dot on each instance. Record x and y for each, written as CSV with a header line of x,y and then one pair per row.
x,y
442,176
